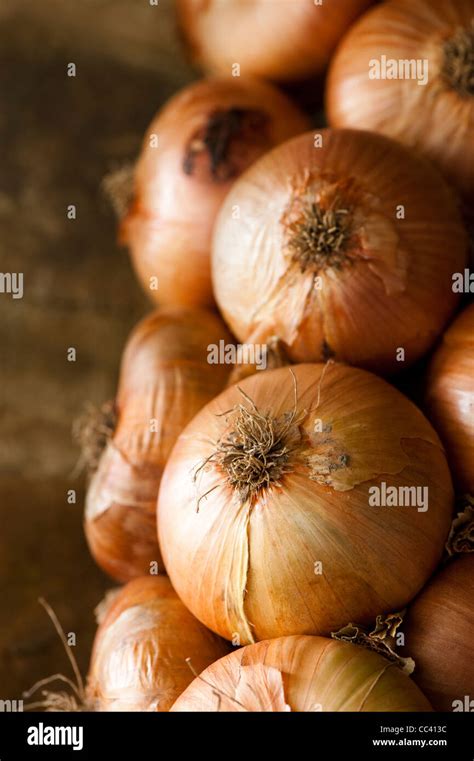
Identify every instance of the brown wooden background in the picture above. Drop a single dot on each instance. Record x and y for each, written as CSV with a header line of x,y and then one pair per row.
x,y
59,136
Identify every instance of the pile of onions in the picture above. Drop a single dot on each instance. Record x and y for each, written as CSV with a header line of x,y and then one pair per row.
x,y
437,117
267,499
192,153
302,674
146,650
439,636
164,380
344,246
285,42
450,397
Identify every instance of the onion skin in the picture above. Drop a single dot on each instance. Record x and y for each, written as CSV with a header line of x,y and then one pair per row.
x,y
255,558
290,43
314,673
438,635
434,118
394,287
178,189
165,377
450,398
139,657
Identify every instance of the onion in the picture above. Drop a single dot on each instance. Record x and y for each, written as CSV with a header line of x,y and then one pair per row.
x,y
207,135
139,659
318,258
302,674
164,380
286,41
268,499
438,635
450,397
437,117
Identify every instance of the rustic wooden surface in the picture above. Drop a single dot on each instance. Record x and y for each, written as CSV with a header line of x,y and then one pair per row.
x,y
59,137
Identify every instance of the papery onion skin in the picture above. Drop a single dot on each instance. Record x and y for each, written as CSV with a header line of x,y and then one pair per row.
x,y
450,397
139,657
439,636
434,117
257,559
283,41
164,377
393,288
316,674
207,135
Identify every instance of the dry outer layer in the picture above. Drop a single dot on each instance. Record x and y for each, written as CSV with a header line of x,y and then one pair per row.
x,y
302,674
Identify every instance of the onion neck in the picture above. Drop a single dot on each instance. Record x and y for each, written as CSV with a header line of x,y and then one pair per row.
x,y
256,450
92,431
219,150
318,238
458,63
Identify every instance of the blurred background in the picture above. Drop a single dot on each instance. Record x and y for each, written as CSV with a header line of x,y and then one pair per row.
x,y
60,135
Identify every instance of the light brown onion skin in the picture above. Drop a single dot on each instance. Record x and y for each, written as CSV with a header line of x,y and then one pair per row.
x,y
139,656
169,224
317,674
438,635
434,118
280,41
395,291
255,561
450,398
165,377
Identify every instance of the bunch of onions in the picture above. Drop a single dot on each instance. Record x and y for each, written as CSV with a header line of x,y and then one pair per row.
x,y
146,649
302,674
268,500
192,153
164,380
450,397
288,41
439,636
437,116
344,246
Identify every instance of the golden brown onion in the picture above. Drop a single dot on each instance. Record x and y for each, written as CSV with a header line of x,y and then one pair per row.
x,y
271,504
439,636
434,41
139,660
283,41
165,379
192,153
450,397
341,244
302,674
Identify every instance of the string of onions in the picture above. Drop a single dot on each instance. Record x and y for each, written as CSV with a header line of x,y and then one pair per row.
x,y
302,673
269,498
438,635
406,69
289,41
450,397
344,246
165,379
193,151
144,648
